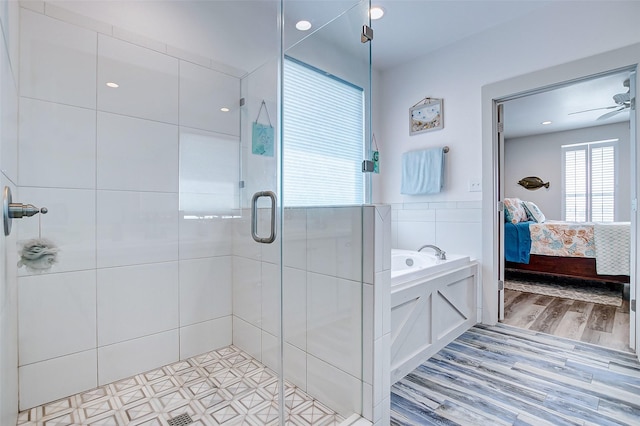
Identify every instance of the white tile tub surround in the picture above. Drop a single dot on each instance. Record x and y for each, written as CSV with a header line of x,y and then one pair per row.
x,y
148,81
45,133
57,315
57,61
454,226
142,141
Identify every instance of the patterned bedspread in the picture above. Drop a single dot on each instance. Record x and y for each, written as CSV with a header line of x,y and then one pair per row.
x,y
568,239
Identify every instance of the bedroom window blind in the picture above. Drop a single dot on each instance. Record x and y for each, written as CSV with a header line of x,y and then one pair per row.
x,y
323,128
589,180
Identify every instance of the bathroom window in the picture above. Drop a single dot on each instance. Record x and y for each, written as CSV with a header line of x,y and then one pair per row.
x,y
323,127
589,181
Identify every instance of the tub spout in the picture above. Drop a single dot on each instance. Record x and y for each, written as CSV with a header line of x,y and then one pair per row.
x,y
440,254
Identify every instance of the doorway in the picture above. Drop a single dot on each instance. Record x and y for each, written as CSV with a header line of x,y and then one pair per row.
x,y
564,179
493,160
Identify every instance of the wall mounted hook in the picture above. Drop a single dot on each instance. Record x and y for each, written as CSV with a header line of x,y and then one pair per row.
x,y
11,210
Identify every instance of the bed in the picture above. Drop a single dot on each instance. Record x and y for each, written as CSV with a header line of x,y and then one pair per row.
x,y
584,250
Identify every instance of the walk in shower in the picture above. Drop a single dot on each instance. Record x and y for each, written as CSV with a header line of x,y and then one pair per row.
x,y
157,135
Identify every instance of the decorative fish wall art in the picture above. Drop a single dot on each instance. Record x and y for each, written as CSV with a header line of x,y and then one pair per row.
x,y
533,182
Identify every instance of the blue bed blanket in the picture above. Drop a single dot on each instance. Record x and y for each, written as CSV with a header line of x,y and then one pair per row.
x,y
517,242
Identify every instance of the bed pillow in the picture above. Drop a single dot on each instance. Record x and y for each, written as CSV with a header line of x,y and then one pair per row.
x,y
533,212
513,211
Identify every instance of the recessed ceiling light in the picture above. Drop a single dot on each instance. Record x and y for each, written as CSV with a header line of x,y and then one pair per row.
x,y
224,109
376,12
303,25
113,85
545,122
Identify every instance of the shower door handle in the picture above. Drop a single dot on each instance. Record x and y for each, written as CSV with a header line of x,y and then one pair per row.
x,y
254,217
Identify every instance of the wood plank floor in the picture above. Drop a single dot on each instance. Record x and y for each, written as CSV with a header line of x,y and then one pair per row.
x,y
502,375
587,322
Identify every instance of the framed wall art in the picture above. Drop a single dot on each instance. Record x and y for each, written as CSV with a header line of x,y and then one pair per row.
x,y
425,116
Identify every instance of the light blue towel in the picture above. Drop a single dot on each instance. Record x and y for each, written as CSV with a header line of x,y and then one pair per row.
x,y
422,172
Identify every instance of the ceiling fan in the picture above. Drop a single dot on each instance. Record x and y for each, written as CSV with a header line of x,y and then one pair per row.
x,y
622,102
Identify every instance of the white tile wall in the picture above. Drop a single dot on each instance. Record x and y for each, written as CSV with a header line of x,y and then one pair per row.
x,y
135,301
57,61
9,117
203,92
271,298
10,18
270,350
334,247
247,291
334,321
334,387
106,163
148,81
295,307
294,251
205,237
135,356
136,227
8,324
70,224
209,172
453,226
205,336
295,366
67,301
243,244
247,337
8,177
54,153
151,160
205,289
58,377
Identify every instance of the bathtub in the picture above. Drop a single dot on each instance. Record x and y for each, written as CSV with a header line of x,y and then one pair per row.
x,y
432,302
408,265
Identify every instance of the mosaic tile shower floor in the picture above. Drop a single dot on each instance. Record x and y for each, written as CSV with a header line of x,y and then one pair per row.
x,y
222,387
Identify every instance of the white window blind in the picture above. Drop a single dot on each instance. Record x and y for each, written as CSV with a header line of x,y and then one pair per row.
x,y
589,181
323,143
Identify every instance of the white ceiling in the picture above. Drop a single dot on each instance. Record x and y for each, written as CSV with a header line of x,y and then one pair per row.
x,y
561,106
241,35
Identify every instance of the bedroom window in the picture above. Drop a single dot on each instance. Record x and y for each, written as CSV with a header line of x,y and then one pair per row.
x,y
323,130
589,181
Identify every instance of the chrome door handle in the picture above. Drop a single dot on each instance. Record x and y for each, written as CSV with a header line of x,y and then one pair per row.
x,y
254,217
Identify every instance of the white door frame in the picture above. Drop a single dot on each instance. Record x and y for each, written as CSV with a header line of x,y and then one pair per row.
x,y
625,57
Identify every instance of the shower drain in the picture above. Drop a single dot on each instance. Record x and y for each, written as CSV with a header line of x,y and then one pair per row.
x,y
181,420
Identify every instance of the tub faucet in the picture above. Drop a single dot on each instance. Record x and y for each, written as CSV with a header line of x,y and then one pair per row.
x,y
440,254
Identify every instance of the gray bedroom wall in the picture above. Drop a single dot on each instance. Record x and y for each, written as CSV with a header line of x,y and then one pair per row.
x,y
541,156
